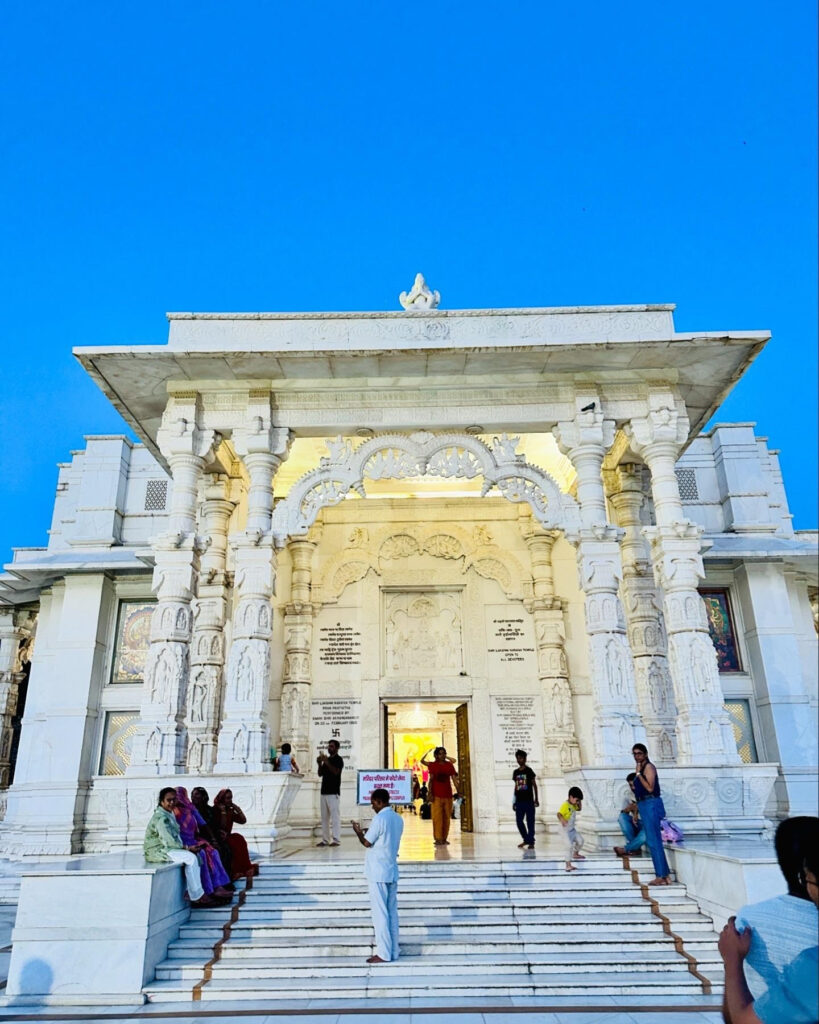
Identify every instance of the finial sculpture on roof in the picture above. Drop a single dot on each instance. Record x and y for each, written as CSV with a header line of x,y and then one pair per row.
x,y
420,297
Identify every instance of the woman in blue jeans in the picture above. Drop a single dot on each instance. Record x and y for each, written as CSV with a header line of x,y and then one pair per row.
x,y
647,794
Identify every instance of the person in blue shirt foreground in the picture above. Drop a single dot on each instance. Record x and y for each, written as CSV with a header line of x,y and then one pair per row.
x,y
778,939
382,840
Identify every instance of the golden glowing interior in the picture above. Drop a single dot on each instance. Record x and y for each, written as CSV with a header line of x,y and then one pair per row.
x,y
538,449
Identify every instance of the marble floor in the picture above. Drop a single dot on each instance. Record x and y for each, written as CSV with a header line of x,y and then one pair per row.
x,y
417,845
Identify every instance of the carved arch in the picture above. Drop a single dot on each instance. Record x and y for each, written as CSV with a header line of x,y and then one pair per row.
x,y
352,563
398,456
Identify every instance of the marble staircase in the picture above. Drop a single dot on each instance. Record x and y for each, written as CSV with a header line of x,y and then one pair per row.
x,y
468,929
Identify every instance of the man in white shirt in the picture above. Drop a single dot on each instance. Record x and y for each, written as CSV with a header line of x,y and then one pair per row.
x,y
382,840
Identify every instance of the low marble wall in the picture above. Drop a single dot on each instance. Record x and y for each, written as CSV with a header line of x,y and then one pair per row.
x,y
118,809
705,801
728,877
92,930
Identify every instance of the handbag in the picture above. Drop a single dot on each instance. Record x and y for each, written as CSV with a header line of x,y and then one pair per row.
x,y
670,832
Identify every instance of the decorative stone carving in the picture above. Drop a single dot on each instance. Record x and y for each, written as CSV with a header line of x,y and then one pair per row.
x,y
160,743
702,722
561,748
210,612
423,633
400,456
585,440
643,608
353,563
16,629
244,735
299,617
419,297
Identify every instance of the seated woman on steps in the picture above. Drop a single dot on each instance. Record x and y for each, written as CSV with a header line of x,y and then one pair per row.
x,y
163,844
210,830
225,814
215,880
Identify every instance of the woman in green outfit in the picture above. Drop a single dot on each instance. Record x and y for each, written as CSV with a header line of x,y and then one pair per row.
x,y
163,844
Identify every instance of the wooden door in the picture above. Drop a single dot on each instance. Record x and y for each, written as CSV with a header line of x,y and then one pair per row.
x,y
385,721
464,770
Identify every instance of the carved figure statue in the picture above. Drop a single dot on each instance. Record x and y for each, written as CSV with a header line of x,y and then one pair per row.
x,y
657,689
244,676
614,660
198,697
561,706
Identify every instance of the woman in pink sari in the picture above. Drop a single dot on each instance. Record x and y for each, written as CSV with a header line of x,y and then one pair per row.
x,y
225,814
215,879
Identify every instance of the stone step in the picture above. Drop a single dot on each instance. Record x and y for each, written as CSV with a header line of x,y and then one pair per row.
x,y
587,985
466,931
586,897
615,918
467,963
319,946
575,884
583,901
442,867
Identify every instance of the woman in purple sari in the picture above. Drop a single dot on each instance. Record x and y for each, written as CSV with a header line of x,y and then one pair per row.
x,y
215,880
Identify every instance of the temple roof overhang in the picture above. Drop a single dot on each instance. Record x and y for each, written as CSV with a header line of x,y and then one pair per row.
x,y
443,350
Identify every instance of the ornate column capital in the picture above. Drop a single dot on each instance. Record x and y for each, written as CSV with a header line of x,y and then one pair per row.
x,y
181,431
585,440
588,430
662,429
258,433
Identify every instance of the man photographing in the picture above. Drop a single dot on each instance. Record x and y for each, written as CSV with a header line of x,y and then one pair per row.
x,y
382,840
330,767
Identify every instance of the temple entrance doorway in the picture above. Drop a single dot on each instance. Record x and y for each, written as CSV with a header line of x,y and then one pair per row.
x,y
412,730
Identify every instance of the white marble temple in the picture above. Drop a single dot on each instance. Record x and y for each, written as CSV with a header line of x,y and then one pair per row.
x,y
340,512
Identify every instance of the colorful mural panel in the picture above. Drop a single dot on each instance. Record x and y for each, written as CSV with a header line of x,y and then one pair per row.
x,y
721,628
132,641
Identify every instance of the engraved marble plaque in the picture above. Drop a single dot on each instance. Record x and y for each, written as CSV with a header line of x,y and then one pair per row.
x,y
423,635
337,719
517,723
510,641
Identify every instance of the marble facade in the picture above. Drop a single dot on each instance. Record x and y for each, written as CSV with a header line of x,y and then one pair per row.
x,y
507,509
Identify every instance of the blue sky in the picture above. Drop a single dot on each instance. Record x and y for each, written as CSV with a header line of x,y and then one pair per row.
x,y
259,156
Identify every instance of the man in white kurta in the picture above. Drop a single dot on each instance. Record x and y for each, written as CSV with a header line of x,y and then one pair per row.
x,y
382,840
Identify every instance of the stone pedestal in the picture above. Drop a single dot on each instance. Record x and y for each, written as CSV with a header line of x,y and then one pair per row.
x,y
93,930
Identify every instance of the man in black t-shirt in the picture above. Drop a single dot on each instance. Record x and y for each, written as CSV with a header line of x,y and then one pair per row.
x,y
525,800
330,767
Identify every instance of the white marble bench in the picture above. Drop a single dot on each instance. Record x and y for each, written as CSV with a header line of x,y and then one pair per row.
x,y
92,929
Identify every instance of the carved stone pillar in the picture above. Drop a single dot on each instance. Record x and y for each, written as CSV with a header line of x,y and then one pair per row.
x,y
244,736
204,702
585,440
16,627
298,635
704,731
644,616
159,745
562,751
